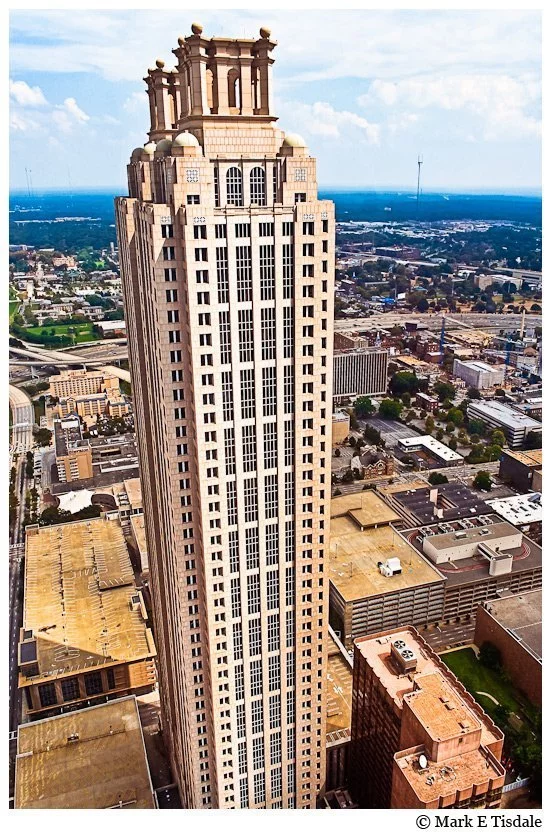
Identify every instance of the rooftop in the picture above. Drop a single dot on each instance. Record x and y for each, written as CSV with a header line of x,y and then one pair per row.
x,y
521,615
432,445
439,709
454,500
355,552
497,530
338,690
79,587
68,439
504,414
481,366
530,458
520,509
93,758
436,780
133,489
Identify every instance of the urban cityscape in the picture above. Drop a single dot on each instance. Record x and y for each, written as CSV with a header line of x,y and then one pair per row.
x,y
275,473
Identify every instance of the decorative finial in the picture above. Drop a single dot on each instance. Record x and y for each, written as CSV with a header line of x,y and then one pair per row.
x,y
160,64
196,28
265,32
181,40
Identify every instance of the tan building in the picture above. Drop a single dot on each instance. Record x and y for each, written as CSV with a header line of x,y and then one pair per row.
x,y
227,262
81,383
377,580
419,739
85,637
89,759
73,454
339,711
340,427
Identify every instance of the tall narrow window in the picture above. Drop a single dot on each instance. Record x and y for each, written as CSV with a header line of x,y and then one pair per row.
x,y
258,186
234,187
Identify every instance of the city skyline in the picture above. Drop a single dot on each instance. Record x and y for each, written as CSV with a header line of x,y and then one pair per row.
x,y
470,108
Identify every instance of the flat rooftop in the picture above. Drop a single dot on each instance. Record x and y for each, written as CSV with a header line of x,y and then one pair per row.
x,y
338,690
366,506
481,366
480,534
133,489
440,709
468,570
436,780
137,524
530,458
522,616
520,509
376,650
104,765
355,554
503,414
454,499
432,446
78,589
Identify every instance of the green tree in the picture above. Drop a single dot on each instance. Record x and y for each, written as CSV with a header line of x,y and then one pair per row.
x,y
437,479
450,427
455,415
363,407
493,452
439,434
476,427
390,409
483,481
444,390
498,438
429,424
403,382
533,440
473,393
452,444
43,437
372,435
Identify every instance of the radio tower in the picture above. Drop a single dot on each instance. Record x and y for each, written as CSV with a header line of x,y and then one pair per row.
x,y
419,163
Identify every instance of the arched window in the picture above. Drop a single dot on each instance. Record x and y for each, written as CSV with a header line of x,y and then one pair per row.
x,y
234,187
234,91
258,186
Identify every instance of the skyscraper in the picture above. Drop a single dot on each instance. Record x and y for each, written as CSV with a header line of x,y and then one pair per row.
x,y
227,261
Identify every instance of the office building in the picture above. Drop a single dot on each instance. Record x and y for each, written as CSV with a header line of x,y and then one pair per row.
x,y
73,454
514,625
419,739
522,469
227,262
89,759
524,510
361,373
377,579
70,383
429,452
478,374
516,426
85,637
419,503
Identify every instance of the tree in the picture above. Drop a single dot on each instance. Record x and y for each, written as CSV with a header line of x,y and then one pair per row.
x,y
439,434
533,440
450,427
473,393
429,424
452,444
403,382
490,656
437,479
477,427
390,409
455,415
423,305
483,481
337,452
372,435
498,438
444,390
493,452
363,406
348,476
43,437
499,393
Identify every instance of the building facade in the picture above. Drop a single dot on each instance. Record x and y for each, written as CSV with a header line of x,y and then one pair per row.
x,y
478,374
516,426
227,261
362,373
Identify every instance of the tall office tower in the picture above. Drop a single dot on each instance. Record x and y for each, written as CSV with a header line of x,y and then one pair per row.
x,y
227,260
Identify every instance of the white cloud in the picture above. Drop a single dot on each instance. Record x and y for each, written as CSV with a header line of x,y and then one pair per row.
x,y
75,111
26,96
504,106
68,115
323,120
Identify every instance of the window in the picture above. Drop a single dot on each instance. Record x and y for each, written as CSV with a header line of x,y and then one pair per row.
x,y
244,273
47,694
258,757
201,254
256,674
171,295
258,186
93,683
234,186
290,585
201,276
170,275
231,497
308,229
289,388
192,175
259,788
246,348
272,545
270,445
70,689
251,548
193,199
249,448
267,272
222,273
167,231
273,633
225,337
288,331
255,644
169,253
268,333
266,229
247,393
270,496
301,197
235,589
275,709
300,174
243,229
253,599
308,249
274,677
250,499
220,231
288,271
269,391
289,439
229,451
287,229
227,396
272,589
199,232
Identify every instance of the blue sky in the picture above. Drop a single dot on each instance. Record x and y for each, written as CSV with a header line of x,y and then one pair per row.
x,y
368,90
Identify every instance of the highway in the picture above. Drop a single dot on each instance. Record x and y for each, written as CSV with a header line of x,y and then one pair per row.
x,y
384,320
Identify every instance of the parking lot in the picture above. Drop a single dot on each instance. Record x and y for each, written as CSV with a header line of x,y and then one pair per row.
x,y
390,431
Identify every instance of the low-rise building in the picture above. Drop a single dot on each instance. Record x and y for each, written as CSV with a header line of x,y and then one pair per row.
x,y
340,427
85,637
478,374
377,580
89,759
521,469
419,739
429,451
514,625
520,510
516,426
73,454
426,402
419,503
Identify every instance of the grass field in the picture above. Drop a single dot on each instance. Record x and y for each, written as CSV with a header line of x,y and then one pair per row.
x,y
82,332
13,308
478,678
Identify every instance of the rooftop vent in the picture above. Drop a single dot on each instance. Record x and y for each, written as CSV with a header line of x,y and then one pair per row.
x,y
73,738
404,658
